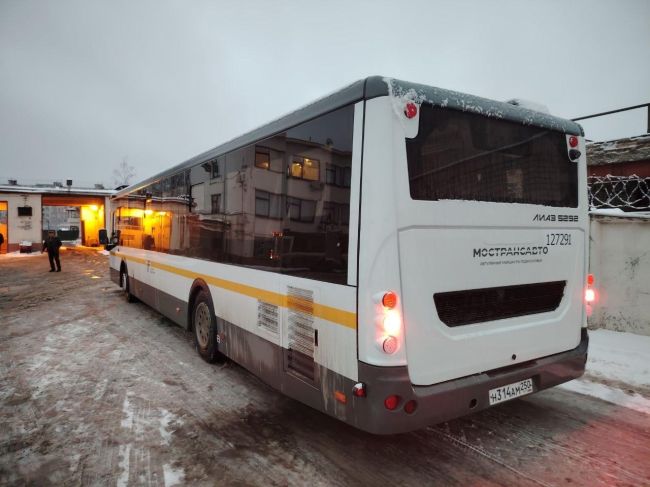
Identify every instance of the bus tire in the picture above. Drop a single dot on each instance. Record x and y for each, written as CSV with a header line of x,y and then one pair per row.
x,y
124,284
204,326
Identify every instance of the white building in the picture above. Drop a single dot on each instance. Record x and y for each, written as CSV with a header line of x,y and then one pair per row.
x,y
22,208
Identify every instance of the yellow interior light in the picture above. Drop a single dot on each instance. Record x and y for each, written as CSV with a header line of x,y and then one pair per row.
x,y
148,212
94,207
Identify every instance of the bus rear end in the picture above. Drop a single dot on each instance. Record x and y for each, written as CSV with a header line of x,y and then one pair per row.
x,y
473,255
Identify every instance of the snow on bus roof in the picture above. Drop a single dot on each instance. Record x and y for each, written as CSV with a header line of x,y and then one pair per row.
x,y
483,106
366,89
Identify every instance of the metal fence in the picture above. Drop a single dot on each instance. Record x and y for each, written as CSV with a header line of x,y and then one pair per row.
x,y
629,193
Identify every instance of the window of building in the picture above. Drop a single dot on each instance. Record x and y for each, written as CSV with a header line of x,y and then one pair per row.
x,y
262,158
262,203
335,213
215,169
330,174
268,204
216,203
305,168
301,210
338,175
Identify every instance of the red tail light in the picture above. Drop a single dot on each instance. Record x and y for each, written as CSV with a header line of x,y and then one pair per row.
x,y
390,321
410,110
590,295
359,390
573,141
391,402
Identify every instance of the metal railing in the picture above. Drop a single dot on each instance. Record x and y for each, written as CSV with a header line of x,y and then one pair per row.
x,y
635,107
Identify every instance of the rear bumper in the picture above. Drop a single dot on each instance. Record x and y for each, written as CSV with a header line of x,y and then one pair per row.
x,y
454,398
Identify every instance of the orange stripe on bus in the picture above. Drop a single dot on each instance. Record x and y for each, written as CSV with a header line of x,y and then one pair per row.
x,y
329,313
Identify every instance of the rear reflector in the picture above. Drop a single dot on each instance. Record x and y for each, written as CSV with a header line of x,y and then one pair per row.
x,y
391,402
410,407
340,397
389,345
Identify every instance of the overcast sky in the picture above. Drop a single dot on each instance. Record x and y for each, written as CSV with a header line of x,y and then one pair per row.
x,y
84,84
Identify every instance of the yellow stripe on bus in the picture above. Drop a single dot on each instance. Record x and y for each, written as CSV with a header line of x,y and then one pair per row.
x,y
329,313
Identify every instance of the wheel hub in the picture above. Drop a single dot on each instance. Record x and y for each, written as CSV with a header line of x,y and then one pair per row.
x,y
202,321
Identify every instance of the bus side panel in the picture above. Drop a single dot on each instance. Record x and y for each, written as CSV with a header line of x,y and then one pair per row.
x,y
378,243
164,295
240,296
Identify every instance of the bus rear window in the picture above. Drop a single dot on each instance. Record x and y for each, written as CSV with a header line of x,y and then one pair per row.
x,y
464,156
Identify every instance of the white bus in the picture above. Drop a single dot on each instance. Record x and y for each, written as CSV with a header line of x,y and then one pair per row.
x,y
393,254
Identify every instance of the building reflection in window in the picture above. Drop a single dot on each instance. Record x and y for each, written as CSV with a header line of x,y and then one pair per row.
x,y
281,204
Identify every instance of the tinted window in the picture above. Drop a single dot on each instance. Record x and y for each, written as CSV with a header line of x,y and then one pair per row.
x,y
463,156
266,206
153,218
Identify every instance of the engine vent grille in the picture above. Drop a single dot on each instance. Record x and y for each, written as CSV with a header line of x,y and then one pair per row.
x,y
457,308
300,307
267,317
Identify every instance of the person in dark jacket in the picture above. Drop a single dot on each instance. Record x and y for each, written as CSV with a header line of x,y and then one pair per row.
x,y
52,244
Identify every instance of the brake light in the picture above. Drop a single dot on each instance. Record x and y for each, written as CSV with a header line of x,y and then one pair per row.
x,y
573,141
590,294
389,320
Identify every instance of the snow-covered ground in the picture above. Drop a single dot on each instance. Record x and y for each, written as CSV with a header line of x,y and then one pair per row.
x,y
17,254
618,370
95,390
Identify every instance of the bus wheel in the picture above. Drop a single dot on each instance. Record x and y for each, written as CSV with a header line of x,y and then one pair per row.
x,y
124,284
204,324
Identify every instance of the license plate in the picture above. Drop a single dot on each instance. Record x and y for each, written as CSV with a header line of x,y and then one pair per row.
x,y
510,391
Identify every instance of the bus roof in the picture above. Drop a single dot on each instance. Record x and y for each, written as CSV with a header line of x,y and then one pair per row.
x,y
366,89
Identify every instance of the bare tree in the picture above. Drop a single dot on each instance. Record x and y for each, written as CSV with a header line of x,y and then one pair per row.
x,y
123,174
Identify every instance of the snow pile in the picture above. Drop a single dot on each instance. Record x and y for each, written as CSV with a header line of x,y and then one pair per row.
x,y
18,254
618,370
